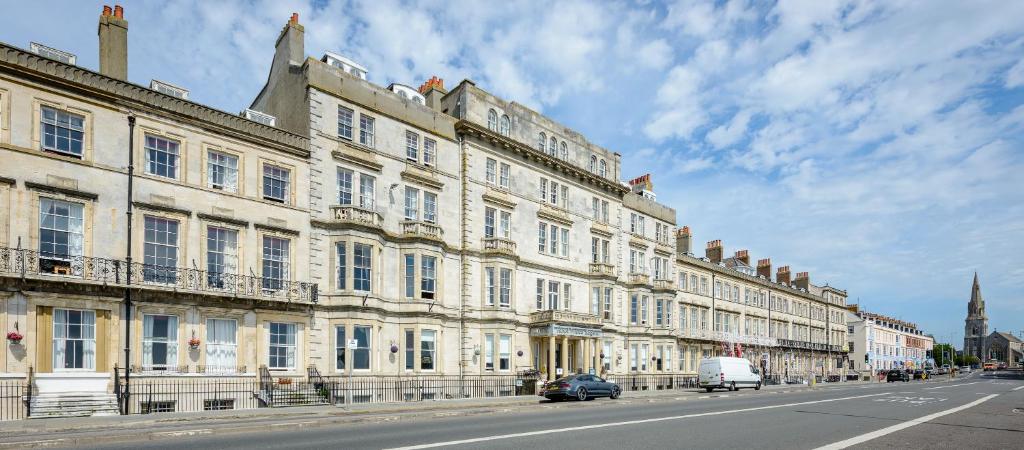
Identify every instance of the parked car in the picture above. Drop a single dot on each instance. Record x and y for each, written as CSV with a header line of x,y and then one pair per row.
x,y
580,387
989,366
895,375
965,369
728,373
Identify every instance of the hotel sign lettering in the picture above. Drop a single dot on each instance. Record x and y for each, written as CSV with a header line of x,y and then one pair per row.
x,y
566,330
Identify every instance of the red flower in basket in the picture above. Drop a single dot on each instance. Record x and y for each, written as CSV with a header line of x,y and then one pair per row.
x,y
194,342
14,336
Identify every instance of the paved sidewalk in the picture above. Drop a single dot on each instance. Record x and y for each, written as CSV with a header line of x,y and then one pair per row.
x,y
70,431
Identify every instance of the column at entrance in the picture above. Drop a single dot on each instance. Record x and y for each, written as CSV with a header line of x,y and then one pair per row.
x,y
596,356
551,357
565,355
587,361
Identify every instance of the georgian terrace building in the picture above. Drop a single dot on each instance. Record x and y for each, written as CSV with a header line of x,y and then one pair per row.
x,y
879,342
357,229
219,229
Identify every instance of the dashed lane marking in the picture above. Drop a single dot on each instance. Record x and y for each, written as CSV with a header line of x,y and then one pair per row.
x,y
624,423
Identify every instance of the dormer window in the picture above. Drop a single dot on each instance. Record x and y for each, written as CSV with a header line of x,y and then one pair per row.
x,y
492,120
553,147
506,124
542,142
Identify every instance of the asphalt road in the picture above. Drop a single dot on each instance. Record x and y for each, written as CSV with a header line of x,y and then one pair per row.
x,y
972,412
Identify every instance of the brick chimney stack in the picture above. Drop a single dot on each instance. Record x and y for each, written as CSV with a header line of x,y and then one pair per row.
x,y
764,268
782,276
803,280
113,35
433,90
714,251
744,256
683,240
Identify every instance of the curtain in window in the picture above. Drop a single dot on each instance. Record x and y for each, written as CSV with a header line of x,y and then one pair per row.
x,y
59,336
221,345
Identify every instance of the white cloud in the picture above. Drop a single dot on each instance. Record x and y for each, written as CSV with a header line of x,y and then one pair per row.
x,y
1015,76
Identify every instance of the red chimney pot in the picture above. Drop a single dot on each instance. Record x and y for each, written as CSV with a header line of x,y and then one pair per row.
x,y
118,12
295,18
106,10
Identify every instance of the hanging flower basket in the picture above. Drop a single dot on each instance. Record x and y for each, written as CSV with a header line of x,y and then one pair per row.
x,y
193,343
15,337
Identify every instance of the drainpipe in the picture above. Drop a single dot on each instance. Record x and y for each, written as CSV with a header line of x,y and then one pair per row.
x,y
128,269
463,260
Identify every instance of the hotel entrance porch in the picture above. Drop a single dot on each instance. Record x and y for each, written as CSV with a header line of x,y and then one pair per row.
x,y
565,342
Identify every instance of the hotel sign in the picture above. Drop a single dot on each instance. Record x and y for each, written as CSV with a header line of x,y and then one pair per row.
x,y
566,330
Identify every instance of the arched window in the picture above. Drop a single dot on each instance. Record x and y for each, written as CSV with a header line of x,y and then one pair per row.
x,y
492,120
543,142
593,164
553,147
602,169
565,151
506,124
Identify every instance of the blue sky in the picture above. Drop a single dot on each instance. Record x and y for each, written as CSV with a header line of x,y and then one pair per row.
x,y
876,145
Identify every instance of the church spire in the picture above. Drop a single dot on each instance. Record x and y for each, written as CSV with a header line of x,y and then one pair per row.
x,y
977,305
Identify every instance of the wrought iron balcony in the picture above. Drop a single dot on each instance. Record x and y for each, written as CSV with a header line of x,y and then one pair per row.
x,y
427,230
560,316
602,269
31,264
499,245
356,215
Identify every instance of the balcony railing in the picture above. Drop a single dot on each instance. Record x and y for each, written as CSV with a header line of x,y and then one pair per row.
x,y
603,269
499,245
27,263
559,316
421,229
639,278
663,284
356,215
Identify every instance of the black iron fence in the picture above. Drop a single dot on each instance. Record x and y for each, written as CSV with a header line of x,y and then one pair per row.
x,y
186,394
652,382
15,395
24,262
394,388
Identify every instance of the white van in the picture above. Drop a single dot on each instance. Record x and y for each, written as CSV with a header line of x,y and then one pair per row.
x,y
728,373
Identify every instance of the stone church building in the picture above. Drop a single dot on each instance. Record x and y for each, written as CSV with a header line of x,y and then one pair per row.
x,y
997,346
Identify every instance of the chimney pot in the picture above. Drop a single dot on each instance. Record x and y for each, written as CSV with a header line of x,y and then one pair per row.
x,y
118,12
113,40
106,10
295,18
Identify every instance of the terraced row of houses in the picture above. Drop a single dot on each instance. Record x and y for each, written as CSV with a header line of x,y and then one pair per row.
x,y
353,228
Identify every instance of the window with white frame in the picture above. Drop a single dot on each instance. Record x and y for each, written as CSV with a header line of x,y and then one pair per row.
x,y
602,168
565,151
429,207
61,131
347,180
61,232
595,300
505,352
340,347
161,156
276,181
429,152
412,146
361,266
221,171
410,349
276,268
221,256
506,125
160,249
504,171
542,142
366,130
505,293
428,349
634,309
488,351
492,171
540,294
428,276
74,339
345,116
159,342
410,275
567,297
492,120
412,196
606,311
221,345
553,146
282,346
553,302
557,239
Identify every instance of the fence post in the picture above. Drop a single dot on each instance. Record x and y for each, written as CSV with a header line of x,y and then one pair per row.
x,y
28,392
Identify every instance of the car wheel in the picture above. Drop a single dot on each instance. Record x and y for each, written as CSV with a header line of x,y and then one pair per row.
x,y
732,386
581,394
615,393
709,389
757,387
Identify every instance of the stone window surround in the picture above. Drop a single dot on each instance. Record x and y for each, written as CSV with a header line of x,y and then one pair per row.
x,y
5,116
206,221
262,232
497,331
418,254
145,126
293,176
263,340
60,105
150,309
375,265
139,227
498,264
88,210
417,347
242,173
376,341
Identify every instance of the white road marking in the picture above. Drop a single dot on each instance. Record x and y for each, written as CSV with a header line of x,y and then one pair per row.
x,y
1018,388
889,430
952,385
619,424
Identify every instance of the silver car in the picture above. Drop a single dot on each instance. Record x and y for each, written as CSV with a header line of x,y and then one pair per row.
x,y
580,387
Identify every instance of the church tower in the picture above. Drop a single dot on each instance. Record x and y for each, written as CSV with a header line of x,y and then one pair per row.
x,y
976,325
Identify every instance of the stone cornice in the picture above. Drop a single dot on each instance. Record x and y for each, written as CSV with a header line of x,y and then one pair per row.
x,y
162,208
60,190
5,180
466,127
276,229
223,219
134,97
